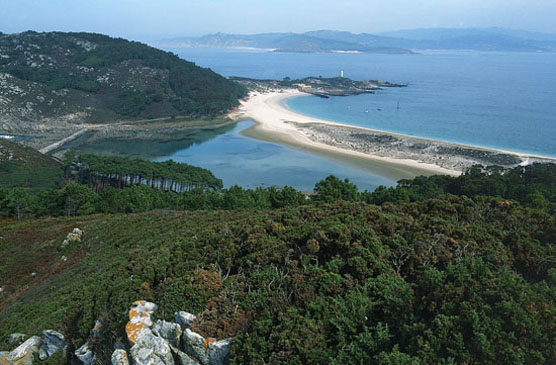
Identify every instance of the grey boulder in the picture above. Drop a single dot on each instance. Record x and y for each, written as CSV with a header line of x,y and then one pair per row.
x,y
184,319
195,345
16,338
52,342
219,351
119,357
23,354
151,350
169,331
85,354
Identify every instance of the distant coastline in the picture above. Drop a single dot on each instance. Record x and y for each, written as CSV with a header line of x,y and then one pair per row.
x,y
393,155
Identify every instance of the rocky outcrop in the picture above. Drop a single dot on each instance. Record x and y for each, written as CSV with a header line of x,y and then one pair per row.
x,y
46,346
73,236
164,343
171,342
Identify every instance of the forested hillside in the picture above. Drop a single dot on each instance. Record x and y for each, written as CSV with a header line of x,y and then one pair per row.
x,y
55,78
443,270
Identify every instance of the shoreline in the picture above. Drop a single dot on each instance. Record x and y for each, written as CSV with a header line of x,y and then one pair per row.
x,y
393,155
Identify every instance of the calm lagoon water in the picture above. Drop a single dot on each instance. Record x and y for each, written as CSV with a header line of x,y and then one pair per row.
x,y
251,163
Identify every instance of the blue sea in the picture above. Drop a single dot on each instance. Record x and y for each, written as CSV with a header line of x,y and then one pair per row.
x,y
499,100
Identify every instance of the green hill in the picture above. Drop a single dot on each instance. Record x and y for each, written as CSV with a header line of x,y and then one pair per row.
x,y
54,79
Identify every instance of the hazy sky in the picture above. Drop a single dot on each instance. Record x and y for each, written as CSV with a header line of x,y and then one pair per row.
x,y
140,18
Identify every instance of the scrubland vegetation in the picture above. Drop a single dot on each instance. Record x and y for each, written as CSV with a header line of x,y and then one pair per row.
x,y
437,270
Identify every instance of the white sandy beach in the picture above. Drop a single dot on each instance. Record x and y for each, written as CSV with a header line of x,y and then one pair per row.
x,y
277,123
272,117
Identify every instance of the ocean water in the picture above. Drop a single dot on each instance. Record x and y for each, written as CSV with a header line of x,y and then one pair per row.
x,y
498,100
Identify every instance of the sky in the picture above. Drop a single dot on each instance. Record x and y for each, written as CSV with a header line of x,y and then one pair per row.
x,y
160,18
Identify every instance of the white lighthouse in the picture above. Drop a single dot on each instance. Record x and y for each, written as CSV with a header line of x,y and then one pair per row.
x,y
342,73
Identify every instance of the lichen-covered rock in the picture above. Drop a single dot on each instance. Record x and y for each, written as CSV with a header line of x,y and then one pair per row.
x,y
219,351
151,350
4,357
169,331
16,338
52,342
196,346
119,357
185,359
23,354
139,320
184,319
85,354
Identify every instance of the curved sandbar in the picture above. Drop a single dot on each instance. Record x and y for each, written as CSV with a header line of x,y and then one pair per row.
x,y
405,157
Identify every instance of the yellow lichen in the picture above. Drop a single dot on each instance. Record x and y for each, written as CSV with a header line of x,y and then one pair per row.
x,y
132,330
208,341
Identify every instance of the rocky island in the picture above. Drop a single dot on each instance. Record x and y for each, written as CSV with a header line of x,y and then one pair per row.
x,y
320,86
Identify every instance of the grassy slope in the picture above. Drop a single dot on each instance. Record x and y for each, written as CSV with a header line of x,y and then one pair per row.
x,y
25,167
446,277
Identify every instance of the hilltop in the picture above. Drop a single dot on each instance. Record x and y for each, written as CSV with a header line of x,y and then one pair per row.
x,y
52,81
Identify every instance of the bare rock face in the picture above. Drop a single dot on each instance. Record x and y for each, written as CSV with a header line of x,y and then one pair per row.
x,y
119,357
219,351
52,342
184,319
23,354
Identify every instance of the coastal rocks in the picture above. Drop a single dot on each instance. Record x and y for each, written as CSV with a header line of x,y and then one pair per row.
x,y
119,357
184,319
85,354
23,354
52,342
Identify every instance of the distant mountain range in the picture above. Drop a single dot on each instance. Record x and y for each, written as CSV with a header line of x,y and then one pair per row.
x,y
398,42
